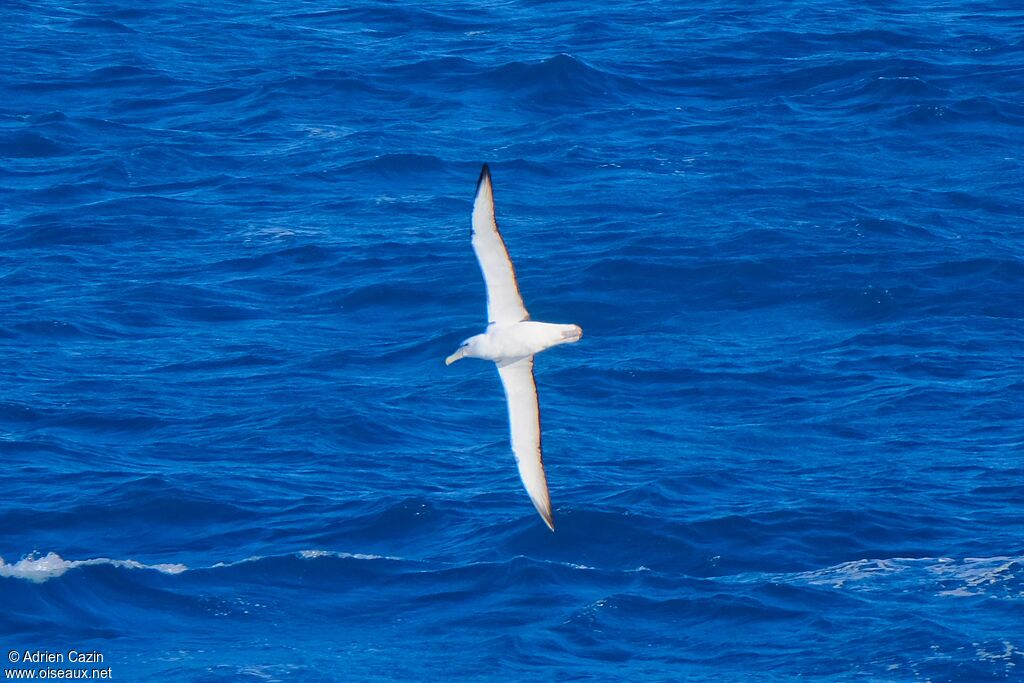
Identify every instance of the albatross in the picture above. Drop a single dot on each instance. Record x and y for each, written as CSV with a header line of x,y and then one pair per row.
x,y
511,340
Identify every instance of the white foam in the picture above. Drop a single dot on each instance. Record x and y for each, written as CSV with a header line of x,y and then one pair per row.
x,y
980,574
221,565
314,554
857,570
957,577
580,566
40,569
37,569
1005,655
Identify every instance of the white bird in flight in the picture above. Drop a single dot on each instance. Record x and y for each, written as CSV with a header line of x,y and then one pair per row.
x,y
511,341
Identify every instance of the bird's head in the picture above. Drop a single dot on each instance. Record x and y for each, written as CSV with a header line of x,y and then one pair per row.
x,y
459,354
467,349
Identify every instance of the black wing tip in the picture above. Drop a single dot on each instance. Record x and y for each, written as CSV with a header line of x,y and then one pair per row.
x,y
485,172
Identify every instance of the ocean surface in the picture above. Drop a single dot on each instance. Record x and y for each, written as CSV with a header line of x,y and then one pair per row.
x,y
235,252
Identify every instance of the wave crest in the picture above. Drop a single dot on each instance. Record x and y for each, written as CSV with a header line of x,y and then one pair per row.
x,y
39,569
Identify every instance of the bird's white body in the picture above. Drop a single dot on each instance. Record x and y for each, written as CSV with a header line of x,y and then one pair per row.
x,y
511,341
508,342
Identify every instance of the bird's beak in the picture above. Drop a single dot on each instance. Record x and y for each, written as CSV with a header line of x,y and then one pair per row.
x,y
461,353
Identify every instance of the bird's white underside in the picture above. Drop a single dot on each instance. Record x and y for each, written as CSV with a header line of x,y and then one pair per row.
x,y
511,340
504,303
524,426
505,306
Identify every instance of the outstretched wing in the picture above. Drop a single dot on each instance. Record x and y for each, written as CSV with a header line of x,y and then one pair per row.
x,y
504,303
524,425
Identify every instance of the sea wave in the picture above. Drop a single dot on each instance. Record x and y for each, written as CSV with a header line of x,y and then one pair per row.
x,y
38,569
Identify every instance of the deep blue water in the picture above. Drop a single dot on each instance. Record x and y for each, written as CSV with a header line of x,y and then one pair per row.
x,y
235,252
